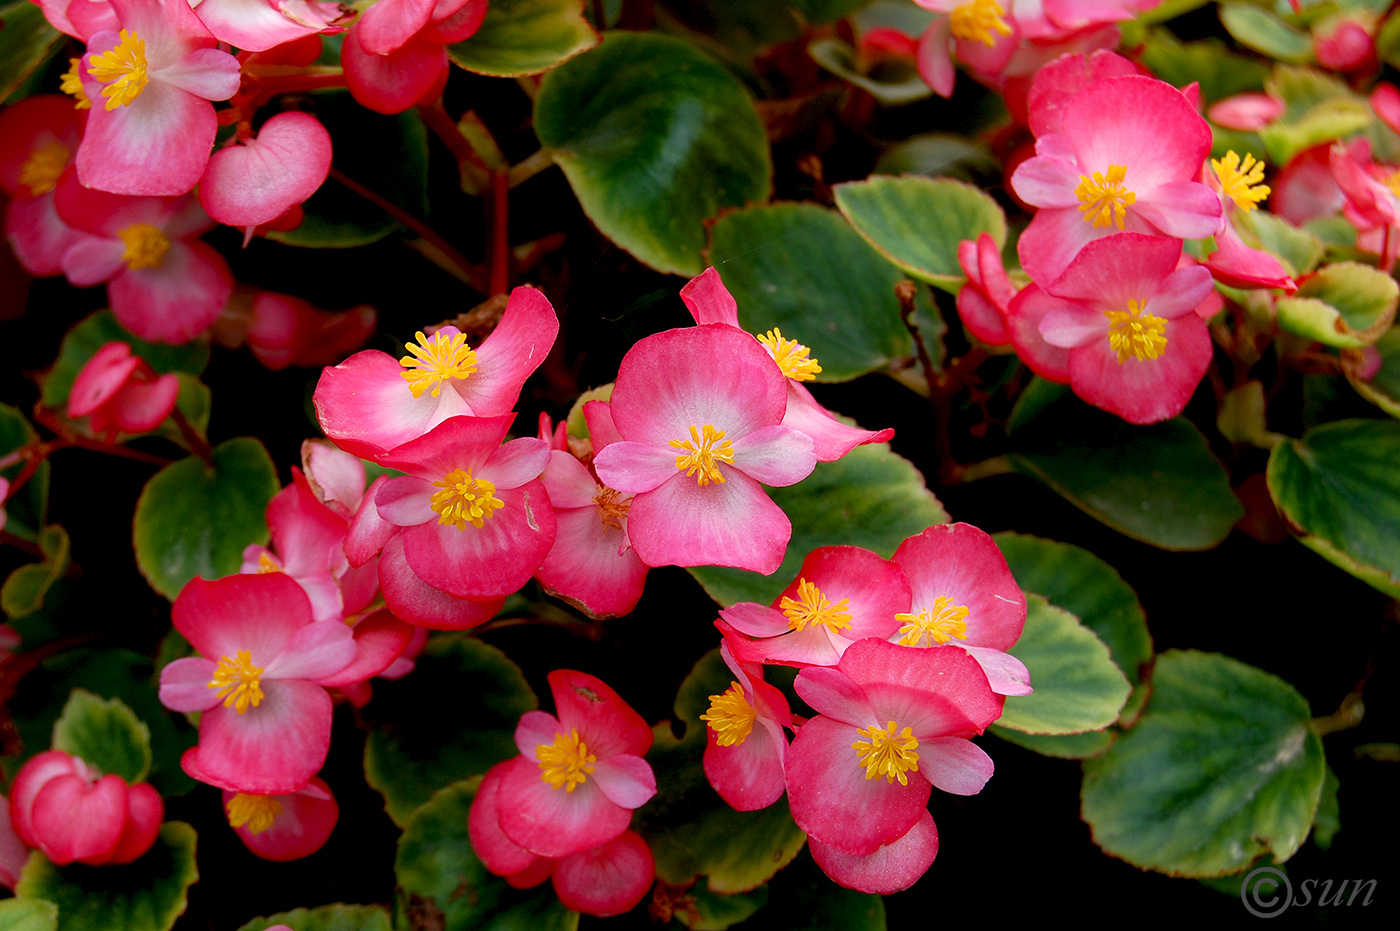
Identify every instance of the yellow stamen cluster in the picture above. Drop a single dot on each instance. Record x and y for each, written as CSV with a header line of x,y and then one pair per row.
x,y
565,763
812,607
238,678
1134,333
1104,201
145,246
730,716
46,162
464,500
258,812
266,564
1239,181
976,20
934,627
434,360
123,70
792,357
888,753
613,506
72,85
703,453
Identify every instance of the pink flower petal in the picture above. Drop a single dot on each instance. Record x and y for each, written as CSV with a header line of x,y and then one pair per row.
x,y
302,827
709,301
272,749
964,564
606,880
734,524
417,602
184,685
892,868
625,779
831,439
77,821
497,852
553,822
317,650
603,719
379,640
144,813
748,775
257,613
258,181
510,355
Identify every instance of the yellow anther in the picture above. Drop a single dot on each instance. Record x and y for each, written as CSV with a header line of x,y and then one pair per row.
x,y
1134,333
565,763
464,500
258,812
238,678
46,162
72,85
888,753
792,357
934,627
613,506
703,453
123,70
1239,181
976,20
812,607
266,564
434,360
1104,201
730,716
145,246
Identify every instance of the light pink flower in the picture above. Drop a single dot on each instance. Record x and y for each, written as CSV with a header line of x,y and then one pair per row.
x,y
258,25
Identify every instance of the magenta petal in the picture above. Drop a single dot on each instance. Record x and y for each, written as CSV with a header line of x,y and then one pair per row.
x,y
389,24
158,145
934,58
749,775
368,532
497,852
963,563
252,25
204,72
379,640
272,749
592,564
809,647
635,467
954,764
101,378
936,692
144,812
366,407
516,462
76,821
257,613
512,352
304,825
553,822
709,300
317,650
29,781
756,620
417,602
392,83
1023,318
625,779
406,501
606,880
1181,292
534,730
142,407
892,868
734,524
1183,209
257,182
835,695
1144,391
184,685
1141,123
608,724
831,439
1046,181
778,455
874,589
39,236
1053,239
177,301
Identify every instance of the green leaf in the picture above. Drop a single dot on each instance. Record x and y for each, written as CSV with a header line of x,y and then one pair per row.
x,y
1347,305
704,910
1383,388
1329,812
98,329
1388,41
337,917
1077,686
802,898
26,41
1319,109
387,154
410,755
892,82
792,265
1339,489
691,830
194,401
1298,249
1158,483
655,138
917,222
870,497
1220,72
934,154
443,885
105,733
27,509
1264,32
1075,579
147,895
195,518
1220,770
1060,746
520,37
28,915
24,590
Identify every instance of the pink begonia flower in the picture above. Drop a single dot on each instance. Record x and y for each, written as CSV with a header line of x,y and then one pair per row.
x,y
744,762
395,54
964,598
1246,112
712,395
1305,189
841,594
592,564
968,23
579,775
892,723
281,330
1126,315
709,301
68,809
1059,81
265,726
983,300
1130,151
1345,46
121,393
1240,187
371,402
893,867
38,139
1385,103
258,25
1372,205
256,182
13,853
284,827
152,126
164,283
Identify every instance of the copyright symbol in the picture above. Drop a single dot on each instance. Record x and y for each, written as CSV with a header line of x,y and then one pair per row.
x,y
1266,892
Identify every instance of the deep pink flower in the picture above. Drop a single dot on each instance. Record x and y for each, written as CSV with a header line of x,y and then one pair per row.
x,y
74,814
257,181
983,300
281,330
1305,188
1372,206
395,54
258,25
13,853
39,137
120,393
284,827
1246,112
744,741
1239,184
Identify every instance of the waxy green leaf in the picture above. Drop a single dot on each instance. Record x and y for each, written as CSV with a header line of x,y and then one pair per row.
x,y
655,138
1347,305
1382,388
27,508
28,915
1265,32
95,331
105,733
891,82
26,41
520,37
1221,770
24,589
337,917
1298,249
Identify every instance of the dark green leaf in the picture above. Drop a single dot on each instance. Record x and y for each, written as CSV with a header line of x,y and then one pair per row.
x,y
337,917
24,590
95,331
27,509
827,11
707,911
1220,73
892,82
1264,32
1329,812
26,41
1347,305
106,734
935,154
28,915
522,37
802,898
1383,388
1061,746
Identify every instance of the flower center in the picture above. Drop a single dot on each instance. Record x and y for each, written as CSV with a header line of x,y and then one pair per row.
x,y
266,564
566,762
613,506
1239,181
976,20
464,500
888,753
703,454
730,716
792,357
256,811
935,627
145,246
812,607
40,171
435,360
1136,333
1104,201
72,85
123,70
238,678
